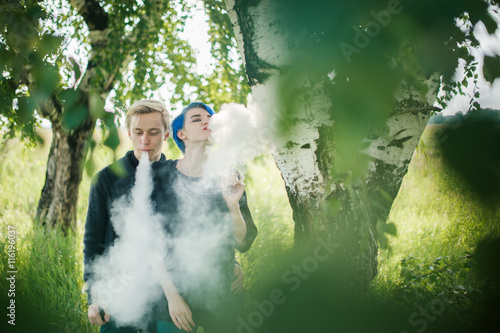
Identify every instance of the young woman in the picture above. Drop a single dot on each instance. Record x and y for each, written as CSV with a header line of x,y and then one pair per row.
x,y
205,220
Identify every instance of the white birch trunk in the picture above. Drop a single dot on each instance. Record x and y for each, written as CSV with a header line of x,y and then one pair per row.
x,y
305,163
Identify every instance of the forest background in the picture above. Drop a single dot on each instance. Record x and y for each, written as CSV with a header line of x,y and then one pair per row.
x,y
437,262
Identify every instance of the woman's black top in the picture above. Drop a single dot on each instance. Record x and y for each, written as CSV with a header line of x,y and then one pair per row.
x,y
200,248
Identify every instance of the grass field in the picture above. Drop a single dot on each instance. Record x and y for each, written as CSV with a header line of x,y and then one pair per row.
x,y
435,214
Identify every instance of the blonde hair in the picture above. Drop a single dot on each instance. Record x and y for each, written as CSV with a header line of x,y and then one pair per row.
x,y
148,106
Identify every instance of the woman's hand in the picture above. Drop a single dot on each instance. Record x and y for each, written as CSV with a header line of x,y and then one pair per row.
x,y
180,313
237,286
233,189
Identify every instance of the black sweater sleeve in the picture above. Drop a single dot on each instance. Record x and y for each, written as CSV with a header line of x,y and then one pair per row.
x,y
251,228
96,224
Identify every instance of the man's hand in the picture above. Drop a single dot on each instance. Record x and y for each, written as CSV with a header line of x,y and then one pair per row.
x,y
237,286
180,313
95,317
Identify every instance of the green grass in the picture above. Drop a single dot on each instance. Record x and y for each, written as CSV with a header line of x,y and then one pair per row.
x,y
272,214
435,214
50,266
439,224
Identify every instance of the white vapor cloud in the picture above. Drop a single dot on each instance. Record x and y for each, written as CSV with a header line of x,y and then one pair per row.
x,y
123,284
239,134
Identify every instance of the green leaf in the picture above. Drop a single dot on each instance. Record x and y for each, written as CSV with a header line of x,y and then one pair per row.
x,y
26,109
386,196
74,117
491,68
49,44
113,139
76,68
96,106
490,24
390,228
90,167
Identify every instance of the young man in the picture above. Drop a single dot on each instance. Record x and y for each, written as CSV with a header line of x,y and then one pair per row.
x,y
148,126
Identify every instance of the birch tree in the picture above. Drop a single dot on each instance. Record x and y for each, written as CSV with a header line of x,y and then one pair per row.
x,y
351,86
131,48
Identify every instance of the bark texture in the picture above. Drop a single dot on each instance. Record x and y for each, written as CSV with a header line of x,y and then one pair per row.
x,y
57,204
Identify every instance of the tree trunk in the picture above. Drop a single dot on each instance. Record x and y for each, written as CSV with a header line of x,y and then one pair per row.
x,y
59,197
108,59
68,151
325,207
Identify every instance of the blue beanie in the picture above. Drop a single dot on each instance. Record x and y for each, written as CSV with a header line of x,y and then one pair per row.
x,y
178,122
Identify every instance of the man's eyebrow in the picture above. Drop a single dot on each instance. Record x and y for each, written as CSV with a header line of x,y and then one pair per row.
x,y
149,129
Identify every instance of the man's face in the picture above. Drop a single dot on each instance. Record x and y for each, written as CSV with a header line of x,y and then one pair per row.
x,y
147,132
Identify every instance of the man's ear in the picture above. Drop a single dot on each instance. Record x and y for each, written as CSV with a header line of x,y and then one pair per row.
x,y
166,136
129,134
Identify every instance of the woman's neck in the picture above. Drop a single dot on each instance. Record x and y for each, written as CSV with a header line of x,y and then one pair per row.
x,y
193,161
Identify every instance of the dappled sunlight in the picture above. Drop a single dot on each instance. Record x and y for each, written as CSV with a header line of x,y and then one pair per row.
x,y
435,214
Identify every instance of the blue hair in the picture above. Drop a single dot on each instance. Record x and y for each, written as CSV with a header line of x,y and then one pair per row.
x,y
178,122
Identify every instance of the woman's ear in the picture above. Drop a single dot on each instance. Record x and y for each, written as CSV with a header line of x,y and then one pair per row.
x,y
181,135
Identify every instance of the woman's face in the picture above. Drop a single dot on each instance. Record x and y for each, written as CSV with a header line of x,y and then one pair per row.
x,y
195,126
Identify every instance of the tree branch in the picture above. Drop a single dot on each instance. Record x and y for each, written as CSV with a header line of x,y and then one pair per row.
x,y
92,12
418,109
151,20
98,23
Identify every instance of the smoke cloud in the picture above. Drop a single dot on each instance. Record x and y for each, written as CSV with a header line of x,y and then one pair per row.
x,y
124,284
239,135
198,242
